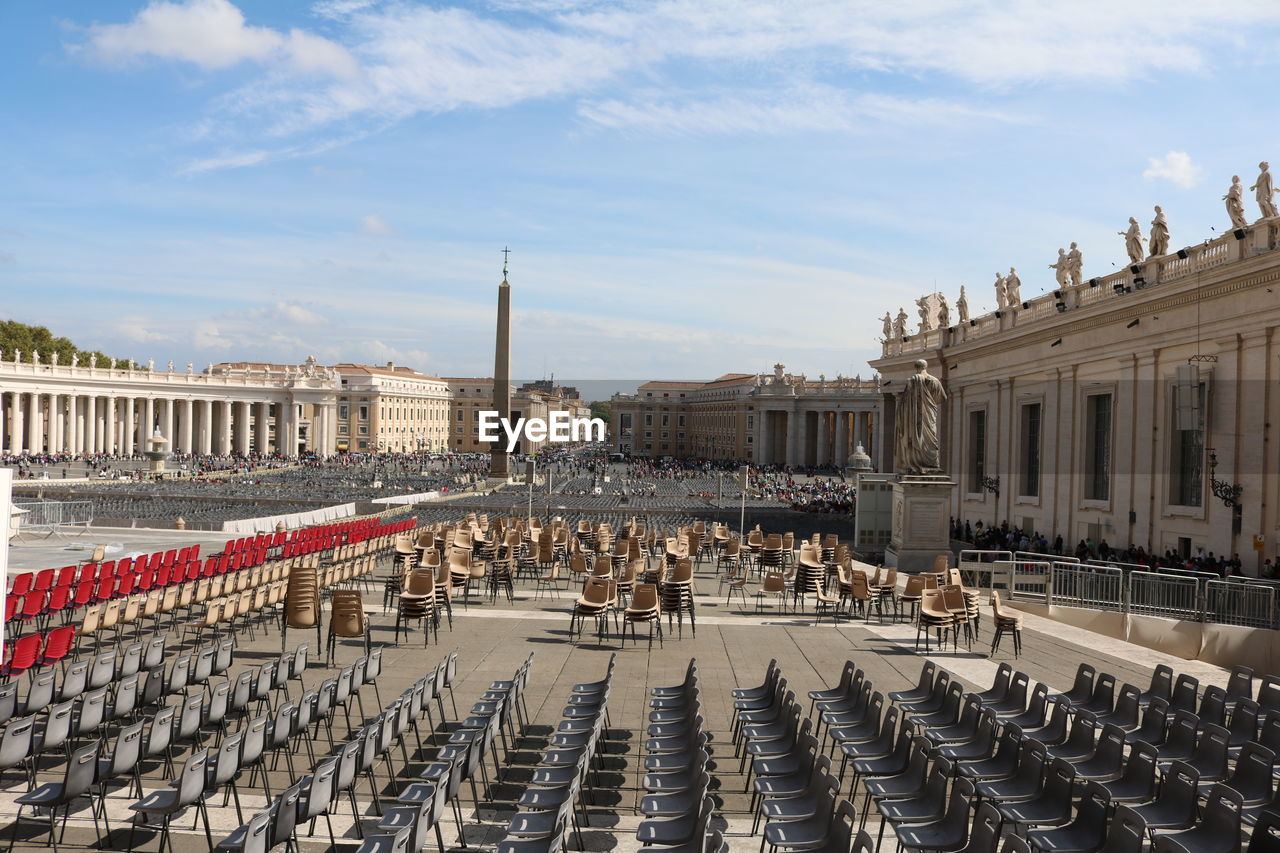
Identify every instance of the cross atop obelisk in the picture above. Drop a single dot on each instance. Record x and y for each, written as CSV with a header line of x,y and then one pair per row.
x,y
499,467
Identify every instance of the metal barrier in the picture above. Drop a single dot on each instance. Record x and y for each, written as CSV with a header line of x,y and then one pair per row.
x,y
1235,603
1075,585
976,566
1021,578
1160,594
51,514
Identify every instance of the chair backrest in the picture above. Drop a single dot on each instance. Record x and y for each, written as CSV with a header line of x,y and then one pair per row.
x,y
1265,837
191,780
644,597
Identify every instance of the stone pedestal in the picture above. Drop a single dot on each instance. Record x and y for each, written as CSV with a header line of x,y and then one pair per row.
x,y
921,522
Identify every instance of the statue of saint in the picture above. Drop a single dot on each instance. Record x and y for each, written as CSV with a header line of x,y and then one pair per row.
x,y
1265,191
888,326
1002,296
779,376
93,360
1075,265
1013,288
151,365
17,356
916,446
900,324
1133,241
171,365
1060,269
190,367
962,306
75,359
1159,242
944,312
1235,204
35,356
922,308
53,358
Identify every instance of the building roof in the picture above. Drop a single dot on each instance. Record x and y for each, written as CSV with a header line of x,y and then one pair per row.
x,y
658,383
390,369
731,378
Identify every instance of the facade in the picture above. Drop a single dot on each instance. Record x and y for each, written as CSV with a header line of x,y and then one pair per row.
x,y
770,420
1127,408
89,409
471,396
392,408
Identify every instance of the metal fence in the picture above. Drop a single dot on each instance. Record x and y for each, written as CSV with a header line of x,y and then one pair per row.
x,y
1235,603
976,566
1075,585
1021,577
49,514
1161,594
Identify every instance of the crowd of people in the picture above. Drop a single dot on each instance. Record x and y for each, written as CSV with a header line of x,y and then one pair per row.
x,y
1005,537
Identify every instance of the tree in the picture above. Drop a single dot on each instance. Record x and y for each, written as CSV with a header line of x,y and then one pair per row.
x,y
602,409
15,336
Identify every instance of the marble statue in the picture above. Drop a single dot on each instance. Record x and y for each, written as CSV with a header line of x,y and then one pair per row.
x,y
53,358
1133,241
1235,204
1002,297
1159,242
1060,269
35,356
75,359
17,356
962,306
190,367
926,322
151,365
916,446
1013,288
888,325
944,313
1075,265
778,375
1265,191
93,360
171,365
900,324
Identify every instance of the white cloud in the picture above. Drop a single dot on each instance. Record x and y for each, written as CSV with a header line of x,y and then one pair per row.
x,y
208,336
378,352
375,225
1175,167
213,35
139,329
288,312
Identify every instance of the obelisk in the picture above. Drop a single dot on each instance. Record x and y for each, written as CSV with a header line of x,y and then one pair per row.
x,y
498,462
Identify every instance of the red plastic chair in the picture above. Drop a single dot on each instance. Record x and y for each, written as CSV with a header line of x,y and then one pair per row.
x,y
59,599
106,570
84,594
66,576
58,644
125,585
44,579
170,557
88,572
22,655
21,584
12,604
32,605
105,590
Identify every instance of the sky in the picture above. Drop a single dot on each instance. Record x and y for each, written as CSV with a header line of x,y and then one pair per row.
x,y
688,187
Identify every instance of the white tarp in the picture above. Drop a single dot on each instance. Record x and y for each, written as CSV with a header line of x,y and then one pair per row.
x,y
408,499
292,520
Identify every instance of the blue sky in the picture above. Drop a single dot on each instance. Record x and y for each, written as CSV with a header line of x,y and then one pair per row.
x,y
688,187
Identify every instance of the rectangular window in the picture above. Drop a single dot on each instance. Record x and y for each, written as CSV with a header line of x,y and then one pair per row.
x,y
344,413
977,450
1186,464
364,413
1097,485
648,420
1031,450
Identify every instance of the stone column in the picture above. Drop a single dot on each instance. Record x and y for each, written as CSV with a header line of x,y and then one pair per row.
x,y
224,427
75,424
761,456
206,427
499,464
795,425
841,458
132,439
261,427
166,420
187,418
34,439
12,440
824,438
92,443
242,427
51,425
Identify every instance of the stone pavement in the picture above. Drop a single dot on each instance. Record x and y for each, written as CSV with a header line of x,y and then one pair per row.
x,y
732,647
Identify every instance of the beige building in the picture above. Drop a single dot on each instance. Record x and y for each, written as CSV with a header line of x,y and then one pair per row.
x,y
533,400
779,419
1140,407
391,408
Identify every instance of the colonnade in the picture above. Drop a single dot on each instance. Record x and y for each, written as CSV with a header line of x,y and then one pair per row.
x,y
51,422
813,437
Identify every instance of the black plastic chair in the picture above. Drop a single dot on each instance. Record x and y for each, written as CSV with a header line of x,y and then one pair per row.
x,y
1218,832
1161,686
1051,806
1014,701
1079,744
1037,709
1107,761
1127,712
1022,785
1175,808
1266,834
1155,724
949,833
1086,833
1000,765
1137,784
167,802
1082,689
77,781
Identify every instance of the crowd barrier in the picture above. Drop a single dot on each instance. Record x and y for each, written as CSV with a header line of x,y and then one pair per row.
x,y
407,499
291,520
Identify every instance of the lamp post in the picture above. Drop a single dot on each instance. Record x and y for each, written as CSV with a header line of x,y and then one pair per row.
x,y
1228,493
